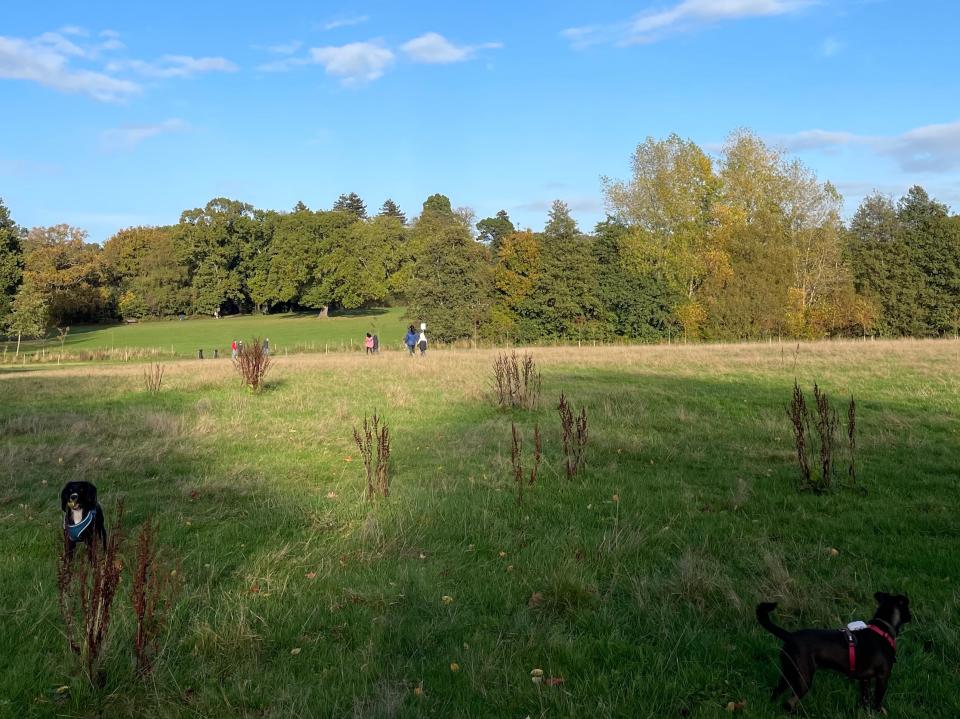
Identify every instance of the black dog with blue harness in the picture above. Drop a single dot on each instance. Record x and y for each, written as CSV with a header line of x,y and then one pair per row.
x,y
82,515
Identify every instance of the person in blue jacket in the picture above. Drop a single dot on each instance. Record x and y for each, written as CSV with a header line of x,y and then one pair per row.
x,y
411,339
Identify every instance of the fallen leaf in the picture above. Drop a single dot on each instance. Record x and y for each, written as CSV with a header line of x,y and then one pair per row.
x,y
418,691
310,575
61,690
553,681
348,459
295,651
331,495
454,667
834,552
446,599
736,706
502,555
536,599
616,498
536,675
255,589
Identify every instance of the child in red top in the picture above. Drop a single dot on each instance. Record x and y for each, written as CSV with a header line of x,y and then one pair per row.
x,y
368,343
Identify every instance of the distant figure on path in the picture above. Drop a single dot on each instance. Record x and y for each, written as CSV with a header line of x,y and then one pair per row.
x,y
233,349
411,340
368,343
422,342
376,344
266,347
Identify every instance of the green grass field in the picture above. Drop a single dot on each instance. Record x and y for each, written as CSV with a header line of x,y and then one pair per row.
x,y
635,583
287,332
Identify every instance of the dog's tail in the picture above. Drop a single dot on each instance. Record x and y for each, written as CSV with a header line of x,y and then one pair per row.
x,y
763,616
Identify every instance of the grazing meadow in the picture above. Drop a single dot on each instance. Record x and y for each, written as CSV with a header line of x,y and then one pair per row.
x,y
631,586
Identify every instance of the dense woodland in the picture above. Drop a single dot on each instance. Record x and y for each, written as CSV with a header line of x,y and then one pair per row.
x,y
747,245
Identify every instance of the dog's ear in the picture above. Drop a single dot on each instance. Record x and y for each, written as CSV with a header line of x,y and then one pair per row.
x,y
91,494
63,498
881,597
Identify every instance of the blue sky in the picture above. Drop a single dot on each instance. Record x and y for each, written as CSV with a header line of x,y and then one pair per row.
x,y
117,114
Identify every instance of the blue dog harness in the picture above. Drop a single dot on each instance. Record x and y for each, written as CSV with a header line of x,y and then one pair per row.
x,y
75,531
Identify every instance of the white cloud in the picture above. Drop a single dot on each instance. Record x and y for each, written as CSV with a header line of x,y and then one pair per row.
x,y
345,22
74,30
58,43
354,63
46,60
128,137
434,48
931,148
688,15
174,66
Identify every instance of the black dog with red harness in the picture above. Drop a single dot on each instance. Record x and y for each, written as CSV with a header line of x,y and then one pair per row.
x,y
863,651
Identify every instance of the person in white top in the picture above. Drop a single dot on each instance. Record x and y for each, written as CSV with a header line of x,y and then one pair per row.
x,y
422,342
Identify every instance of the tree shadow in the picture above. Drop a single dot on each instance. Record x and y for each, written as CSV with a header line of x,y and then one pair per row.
x,y
646,598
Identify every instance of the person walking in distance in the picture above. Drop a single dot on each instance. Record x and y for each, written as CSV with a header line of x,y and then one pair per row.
x,y
411,340
368,343
266,347
233,349
422,341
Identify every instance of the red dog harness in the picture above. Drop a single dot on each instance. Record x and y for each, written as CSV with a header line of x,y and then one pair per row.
x,y
852,643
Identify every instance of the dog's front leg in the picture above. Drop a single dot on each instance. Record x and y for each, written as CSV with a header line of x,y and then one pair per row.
x,y
865,693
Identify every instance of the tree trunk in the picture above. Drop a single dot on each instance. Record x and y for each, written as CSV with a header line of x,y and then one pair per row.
x,y
324,312
18,345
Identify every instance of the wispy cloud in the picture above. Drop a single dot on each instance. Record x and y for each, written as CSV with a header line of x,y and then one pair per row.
x,y
930,148
173,66
434,48
287,63
354,63
830,47
128,137
29,168
685,16
345,22
74,30
47,60
285,48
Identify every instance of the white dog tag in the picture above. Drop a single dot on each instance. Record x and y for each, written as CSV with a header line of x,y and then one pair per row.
x,y
856,626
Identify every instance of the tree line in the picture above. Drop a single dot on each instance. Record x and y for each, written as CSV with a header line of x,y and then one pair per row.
x,y
749,244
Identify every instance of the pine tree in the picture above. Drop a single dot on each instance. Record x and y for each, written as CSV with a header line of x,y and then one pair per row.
x,y
351,203
563,300
493,229
390,209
